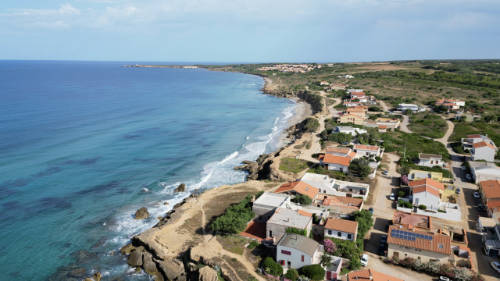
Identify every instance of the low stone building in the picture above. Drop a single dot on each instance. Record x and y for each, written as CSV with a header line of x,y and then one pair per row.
x,y
296,251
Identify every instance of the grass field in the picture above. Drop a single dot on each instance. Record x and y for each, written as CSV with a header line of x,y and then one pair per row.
x,y
410,145
293,165
463,129
428,124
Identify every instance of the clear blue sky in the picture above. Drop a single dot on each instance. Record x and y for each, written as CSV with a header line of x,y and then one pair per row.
x,y
249,30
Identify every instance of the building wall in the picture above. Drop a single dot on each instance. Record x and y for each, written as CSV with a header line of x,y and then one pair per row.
x,y
362,153
279,230
295,257
425,256
336,167
430,163
483,153
343,235
263,212
424,198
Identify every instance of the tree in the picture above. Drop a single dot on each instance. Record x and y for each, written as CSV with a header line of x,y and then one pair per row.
x,y
272,267
235,218
302,199
326,260
292,274
365,222
313,271
360,168
329,246
340,138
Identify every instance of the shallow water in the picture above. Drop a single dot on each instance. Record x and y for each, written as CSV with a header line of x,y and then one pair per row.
x,y
81,141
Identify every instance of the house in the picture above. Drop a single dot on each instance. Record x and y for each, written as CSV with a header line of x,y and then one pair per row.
x,y
408,107
415,174
389,123
341,206
357,110
296,251
336,163
483,151
426,192
370,275
411,220
282,219
450,104
361,96
430,160
350,130
425,246
334,268
330,186
490,194
482,171
298,187
267,203
341,229
357,119
350,103
340,151
469,141
363,150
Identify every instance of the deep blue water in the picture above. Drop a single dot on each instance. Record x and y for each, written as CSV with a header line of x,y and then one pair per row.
x,y
79,141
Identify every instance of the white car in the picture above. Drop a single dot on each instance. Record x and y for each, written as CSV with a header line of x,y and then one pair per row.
x,y
364,260
444,278
392,197
494,264
476,195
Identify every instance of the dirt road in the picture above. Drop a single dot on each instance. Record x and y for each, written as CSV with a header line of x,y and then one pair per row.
x,y
404,124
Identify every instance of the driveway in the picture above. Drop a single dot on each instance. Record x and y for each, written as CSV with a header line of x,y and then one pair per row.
x,y
404,125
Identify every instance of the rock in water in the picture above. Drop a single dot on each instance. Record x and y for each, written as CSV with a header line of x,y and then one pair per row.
x,y
135,258
207,274
180,188
142,213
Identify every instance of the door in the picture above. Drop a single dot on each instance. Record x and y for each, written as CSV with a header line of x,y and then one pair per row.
x,y
328,275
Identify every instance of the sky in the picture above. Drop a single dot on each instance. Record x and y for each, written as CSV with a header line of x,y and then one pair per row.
x,y
249,30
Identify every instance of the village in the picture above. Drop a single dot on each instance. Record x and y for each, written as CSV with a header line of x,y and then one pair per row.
x,y
439,217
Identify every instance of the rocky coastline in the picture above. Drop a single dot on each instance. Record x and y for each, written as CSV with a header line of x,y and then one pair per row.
x,y
174,262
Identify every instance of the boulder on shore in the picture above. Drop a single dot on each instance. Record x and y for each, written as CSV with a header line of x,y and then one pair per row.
x,y
180,188
125,250
207,273
142,213
135,258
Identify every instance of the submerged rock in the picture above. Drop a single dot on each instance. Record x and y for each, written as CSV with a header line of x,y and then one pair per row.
x,y
142,213
180,188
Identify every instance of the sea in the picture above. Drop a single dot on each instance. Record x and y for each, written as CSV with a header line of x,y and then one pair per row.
x,y
83,145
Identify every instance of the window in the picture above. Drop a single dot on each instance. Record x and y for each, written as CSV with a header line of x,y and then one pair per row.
x,y
339,234
349,236
282,262
289,264
285,252
270,233
302,258
329,232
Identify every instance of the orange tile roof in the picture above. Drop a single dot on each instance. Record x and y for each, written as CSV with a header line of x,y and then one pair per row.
x,y
382,126
342,225
370,274
336,149
474,136
490,188
366,147
356,109
299,187
483,144
343,201
439,243
427,181
304,213
334,159
360,94
426,188
493,203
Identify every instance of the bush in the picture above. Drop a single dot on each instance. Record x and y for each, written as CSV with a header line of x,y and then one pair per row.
x,y
360,168
314,100
346,249
337,137
329,246
294,230
292,274
422,207
253,244
365,222
302,199
310,125
235,218
404,204
272,267
313,271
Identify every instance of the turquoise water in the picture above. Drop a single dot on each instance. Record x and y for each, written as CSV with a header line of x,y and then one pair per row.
x,y
84,144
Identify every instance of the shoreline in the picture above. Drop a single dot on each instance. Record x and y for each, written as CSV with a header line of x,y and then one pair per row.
x,y
163,241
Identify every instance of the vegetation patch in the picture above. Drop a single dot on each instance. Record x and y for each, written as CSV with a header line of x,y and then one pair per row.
x,y
293,165
428,124
235,218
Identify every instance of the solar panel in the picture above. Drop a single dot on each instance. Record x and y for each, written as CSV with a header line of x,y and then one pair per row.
x,y
410,236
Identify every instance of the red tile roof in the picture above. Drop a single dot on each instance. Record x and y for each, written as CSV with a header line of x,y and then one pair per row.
x,y
304,213
411,220
342,225
334,159
474,136
370,275
439,243
342,201
366,147
425,188
428,182
299,187
337,149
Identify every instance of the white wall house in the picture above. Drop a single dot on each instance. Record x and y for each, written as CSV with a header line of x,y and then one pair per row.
x,y
483,151
296,251
482,171
285,218
408,106
330,186
350,130
341,229
427,196
430,160
268,202
336,163
363,150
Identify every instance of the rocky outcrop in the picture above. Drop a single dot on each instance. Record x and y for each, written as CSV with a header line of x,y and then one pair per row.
x,y
135,257
142,213
172,269
207,273
125,250
180,188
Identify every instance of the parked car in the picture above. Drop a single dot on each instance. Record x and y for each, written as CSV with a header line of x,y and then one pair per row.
x,y
392,197
476,195
468,177
444,278
496,266
385,172
370,210
364,260
457,191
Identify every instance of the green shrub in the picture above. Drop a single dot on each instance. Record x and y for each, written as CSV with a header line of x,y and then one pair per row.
x,y
314,100
292,274
272,267
294,230
235,218
359,167
313,272
253,244
404,204
302,199
422,207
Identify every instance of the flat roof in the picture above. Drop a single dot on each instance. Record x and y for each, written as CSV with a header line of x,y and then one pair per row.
x,y
271,199
289,218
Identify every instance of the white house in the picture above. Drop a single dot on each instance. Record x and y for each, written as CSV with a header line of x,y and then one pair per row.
x,y
363,150
341,229
483,151
408,107
430,160
335,162
283,218
296,251
330,186
469,141
268,202
482,171
350,130
426,195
